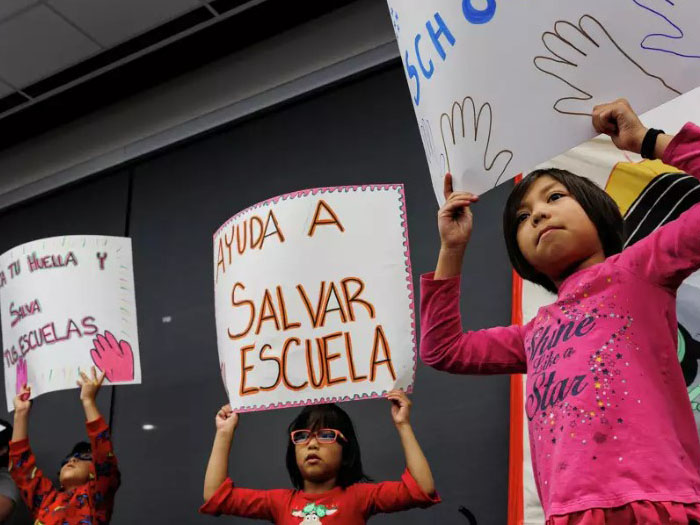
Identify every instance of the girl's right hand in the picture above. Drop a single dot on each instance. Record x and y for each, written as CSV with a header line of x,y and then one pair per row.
x,y
22,402
226,420
455,219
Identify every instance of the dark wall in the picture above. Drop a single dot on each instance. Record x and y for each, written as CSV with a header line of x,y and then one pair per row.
x,y
361,132
98,207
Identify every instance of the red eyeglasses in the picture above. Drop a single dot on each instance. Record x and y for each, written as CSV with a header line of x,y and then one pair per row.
x,y
323,435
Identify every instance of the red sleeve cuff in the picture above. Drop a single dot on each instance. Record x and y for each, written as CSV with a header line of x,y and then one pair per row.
x,y
213,504
19,447
97,426
423,499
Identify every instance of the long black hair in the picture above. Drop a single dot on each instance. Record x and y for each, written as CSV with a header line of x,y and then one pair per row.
x,y
598,205
328,416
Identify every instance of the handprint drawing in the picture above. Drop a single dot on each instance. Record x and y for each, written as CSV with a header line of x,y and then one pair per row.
x,y
674,41
114,358
21,379
466,136
436,157
585,57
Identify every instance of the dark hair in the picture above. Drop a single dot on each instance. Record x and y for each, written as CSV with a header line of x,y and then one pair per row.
x,y
5,438
598,205
328,416
81,447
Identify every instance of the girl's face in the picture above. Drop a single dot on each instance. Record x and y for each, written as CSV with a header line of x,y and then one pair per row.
x,y
555,234
74,473
319,462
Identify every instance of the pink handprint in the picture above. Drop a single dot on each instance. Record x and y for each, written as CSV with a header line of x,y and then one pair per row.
x,y
113,357
21,375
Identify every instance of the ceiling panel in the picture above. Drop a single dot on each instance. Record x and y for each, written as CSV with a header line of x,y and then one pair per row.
x,y
38,43
5,89
9,7
113,21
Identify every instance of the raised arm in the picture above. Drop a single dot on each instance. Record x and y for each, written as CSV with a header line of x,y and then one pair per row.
x,y
107,476
30,481
455,223
416,462
619,121
671,253
217,468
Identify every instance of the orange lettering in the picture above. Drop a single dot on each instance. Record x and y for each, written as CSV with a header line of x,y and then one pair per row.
x,y
380,338
324,222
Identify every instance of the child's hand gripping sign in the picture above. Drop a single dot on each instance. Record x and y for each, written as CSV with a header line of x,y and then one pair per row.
x,y
67,303
314,298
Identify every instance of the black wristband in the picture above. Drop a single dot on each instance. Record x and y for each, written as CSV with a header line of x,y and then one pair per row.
x,y
649,143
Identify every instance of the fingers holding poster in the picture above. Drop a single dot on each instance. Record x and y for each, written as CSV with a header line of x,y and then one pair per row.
x,y
314,298
62,299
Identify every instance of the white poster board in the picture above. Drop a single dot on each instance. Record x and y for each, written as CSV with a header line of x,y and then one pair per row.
x,y
499,87
68,303
314,298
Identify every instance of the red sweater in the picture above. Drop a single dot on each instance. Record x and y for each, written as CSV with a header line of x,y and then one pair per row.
x,y
349,506
88,504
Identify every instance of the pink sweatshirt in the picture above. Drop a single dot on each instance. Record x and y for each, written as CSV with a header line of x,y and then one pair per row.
x,y
609,416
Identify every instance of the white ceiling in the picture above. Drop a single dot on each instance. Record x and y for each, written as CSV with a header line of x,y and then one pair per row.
x,y
39,38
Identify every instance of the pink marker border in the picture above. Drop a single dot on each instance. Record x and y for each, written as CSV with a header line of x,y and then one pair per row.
x,y
409,283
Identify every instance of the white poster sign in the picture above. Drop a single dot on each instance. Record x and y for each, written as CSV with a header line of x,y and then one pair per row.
x,y
314,298
499,87
68,304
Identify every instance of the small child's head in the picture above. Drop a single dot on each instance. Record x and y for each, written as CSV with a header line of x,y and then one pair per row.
x,y
75,467
323,446
5,438
555,221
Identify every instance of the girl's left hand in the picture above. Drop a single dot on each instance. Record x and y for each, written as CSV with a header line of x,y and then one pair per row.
x,y
619,121
400,407
89,386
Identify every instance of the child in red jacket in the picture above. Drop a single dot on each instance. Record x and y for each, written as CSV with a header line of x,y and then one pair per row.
x,y
89,476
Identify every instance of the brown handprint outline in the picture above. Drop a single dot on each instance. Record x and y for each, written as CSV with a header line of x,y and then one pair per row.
x,y
480,140
558,67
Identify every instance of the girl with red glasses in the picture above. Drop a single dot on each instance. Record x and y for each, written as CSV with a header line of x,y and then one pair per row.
x,y
325,468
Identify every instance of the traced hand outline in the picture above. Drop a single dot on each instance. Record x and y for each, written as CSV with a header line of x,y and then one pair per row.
x,y
222,366
114,358
471,139
22,375
436,158
583,51
675,41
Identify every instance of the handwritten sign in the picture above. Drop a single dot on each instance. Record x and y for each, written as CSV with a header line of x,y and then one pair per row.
x,y
314,298
499,87
68,304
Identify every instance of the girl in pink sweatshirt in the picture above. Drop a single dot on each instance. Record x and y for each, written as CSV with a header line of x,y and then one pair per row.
x,y
612,434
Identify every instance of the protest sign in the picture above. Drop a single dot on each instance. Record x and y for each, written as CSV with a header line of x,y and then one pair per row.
x,y
314,298
68,304
499,87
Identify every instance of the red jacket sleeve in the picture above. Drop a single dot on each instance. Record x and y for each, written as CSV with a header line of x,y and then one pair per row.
x,y
36,489
393,496
106,478
671,253
247,503
444,345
